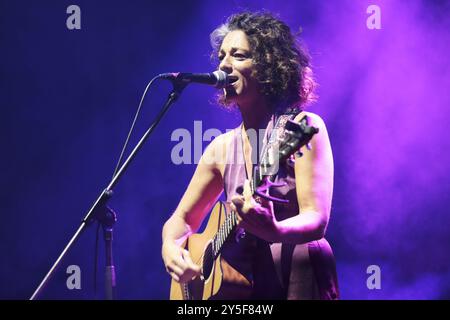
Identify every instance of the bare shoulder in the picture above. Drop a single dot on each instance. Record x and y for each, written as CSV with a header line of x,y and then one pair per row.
x,y
219,142
313,119
224,138
321,140
216,152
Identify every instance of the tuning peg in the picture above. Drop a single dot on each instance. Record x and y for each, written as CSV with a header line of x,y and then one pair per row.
x,y
291,162
263,191
268,184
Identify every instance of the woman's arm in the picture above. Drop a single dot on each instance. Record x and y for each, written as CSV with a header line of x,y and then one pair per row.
x,y
205,187
314,186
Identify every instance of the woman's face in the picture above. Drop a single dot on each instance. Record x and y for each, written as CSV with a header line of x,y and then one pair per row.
x,y
235,59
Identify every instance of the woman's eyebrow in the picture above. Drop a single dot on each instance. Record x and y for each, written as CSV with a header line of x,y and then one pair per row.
x,y
234,49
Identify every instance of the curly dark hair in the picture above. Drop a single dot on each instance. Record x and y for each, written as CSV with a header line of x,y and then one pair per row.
x,y
282,64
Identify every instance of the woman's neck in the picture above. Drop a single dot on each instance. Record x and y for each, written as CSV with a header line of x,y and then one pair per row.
x,y
255,116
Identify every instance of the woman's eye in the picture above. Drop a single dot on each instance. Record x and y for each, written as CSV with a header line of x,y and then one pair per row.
x,y
240,56
237,56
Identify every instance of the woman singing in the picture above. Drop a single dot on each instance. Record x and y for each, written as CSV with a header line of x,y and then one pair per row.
x,y
283,254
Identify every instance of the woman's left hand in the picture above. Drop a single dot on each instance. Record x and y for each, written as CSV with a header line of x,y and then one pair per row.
x,y
256,216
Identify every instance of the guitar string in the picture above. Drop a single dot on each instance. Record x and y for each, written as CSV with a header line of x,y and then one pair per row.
x,y
203,254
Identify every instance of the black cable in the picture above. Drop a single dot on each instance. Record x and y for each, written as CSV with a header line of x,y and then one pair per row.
x,y
132,125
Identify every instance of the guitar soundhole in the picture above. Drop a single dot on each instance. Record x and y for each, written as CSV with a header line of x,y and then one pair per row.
x,y
208,261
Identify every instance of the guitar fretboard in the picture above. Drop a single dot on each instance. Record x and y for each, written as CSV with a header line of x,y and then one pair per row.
x,y
224,232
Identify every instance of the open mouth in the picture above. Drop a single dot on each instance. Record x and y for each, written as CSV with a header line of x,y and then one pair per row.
x,y
231,82
232,79
230,89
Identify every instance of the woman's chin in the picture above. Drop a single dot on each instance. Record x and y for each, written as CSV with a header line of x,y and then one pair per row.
x,y
230,95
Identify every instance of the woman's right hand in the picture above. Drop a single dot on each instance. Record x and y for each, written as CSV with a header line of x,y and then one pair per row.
x,y
178,262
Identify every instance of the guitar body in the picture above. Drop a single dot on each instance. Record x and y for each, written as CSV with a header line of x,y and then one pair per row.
x,y
223,281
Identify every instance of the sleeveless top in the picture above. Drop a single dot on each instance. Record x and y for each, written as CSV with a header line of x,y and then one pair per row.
x,y
278,270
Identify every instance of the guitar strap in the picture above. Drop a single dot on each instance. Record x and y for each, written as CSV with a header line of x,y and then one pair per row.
x,y
276,135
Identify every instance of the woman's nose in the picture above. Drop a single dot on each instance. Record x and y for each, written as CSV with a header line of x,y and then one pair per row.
x,y
226,66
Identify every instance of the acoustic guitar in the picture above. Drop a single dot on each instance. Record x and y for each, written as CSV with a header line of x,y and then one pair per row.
x,y
219,279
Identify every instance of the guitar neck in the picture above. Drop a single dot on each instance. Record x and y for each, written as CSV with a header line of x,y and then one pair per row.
x,y
224,232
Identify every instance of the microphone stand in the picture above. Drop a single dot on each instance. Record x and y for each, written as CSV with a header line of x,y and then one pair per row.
x,y
102,213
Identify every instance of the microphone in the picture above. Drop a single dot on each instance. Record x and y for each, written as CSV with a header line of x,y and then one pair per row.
x,y
219,79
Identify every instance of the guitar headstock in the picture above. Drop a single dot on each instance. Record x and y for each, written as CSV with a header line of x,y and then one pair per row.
x,y
295,136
